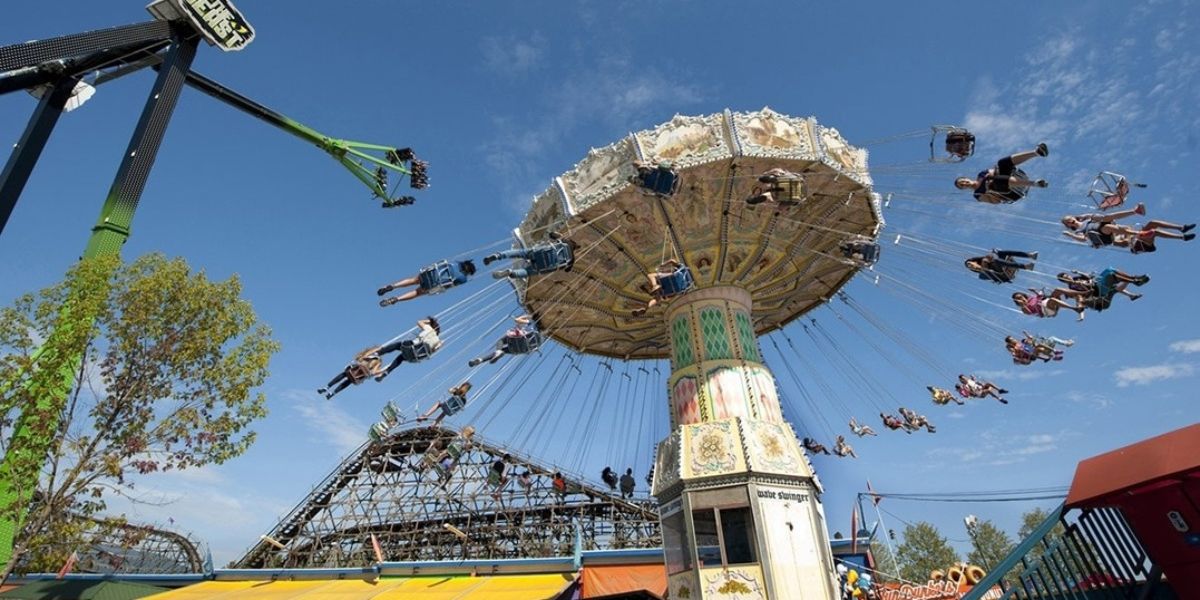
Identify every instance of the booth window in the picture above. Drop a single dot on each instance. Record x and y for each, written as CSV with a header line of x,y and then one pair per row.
x,y
677,543
724,536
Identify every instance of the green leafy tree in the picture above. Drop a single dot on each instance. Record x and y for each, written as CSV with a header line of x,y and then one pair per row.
x,y
923,550
989,545
885,562
168,382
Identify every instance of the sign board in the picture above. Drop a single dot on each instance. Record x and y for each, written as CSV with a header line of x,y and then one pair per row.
x,y
219,21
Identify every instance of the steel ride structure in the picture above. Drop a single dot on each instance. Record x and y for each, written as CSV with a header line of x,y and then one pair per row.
x,y
117,547
61,71
396,492
738,500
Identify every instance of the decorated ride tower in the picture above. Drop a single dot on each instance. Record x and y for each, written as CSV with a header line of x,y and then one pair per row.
x,y
740,218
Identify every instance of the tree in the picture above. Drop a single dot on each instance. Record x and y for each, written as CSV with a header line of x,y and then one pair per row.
x,y
989,545
885,562
168,382
923,550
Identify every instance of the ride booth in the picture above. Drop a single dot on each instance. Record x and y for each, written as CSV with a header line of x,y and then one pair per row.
x,y
1155,484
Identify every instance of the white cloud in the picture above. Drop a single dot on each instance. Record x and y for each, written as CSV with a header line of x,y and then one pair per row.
x,y
511,56
204,505
1091,399
336,427
1186,346
1145,375
1028,374
992,449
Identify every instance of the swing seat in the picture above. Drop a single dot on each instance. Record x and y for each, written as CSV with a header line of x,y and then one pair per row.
x,y
414,350
378,432
455,450
453,405
659,181
1109,190
437,277
391,415
493,478
676,283
788,191
358,372
869,250
958,143
1015,193
525,343
549,257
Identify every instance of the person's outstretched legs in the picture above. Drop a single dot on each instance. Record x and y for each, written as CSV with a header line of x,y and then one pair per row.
x,y
341,386
490,358
520,253
1159,226
409,295
399,284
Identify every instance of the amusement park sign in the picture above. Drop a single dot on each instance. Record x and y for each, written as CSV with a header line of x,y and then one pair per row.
x,y
934,590
218,21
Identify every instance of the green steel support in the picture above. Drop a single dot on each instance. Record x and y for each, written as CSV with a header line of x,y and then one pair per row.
x,y
33,432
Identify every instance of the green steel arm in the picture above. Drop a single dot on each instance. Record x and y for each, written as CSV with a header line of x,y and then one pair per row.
x,y
350,154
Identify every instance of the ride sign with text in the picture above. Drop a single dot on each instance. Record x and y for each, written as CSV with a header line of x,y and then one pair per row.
x,y
219,22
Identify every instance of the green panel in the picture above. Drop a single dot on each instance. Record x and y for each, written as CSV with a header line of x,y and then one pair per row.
x,y
716,338
681,341
746,335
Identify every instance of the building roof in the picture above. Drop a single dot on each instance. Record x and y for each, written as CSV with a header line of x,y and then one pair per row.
x,y
76,589
450,587
1128,468
624,580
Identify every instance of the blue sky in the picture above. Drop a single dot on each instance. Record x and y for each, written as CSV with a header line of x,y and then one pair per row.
x,y
501,98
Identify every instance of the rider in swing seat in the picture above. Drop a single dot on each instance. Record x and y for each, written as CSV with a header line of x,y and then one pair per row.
x,y
523,338
1004,183
557,254
434,279
672,278
660,180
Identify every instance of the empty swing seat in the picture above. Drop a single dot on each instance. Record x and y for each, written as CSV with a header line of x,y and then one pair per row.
x,y
676,283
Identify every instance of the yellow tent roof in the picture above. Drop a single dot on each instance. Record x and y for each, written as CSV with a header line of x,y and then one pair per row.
x,y
451,587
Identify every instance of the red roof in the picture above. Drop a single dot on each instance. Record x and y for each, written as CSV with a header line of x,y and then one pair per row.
x,y
1148,461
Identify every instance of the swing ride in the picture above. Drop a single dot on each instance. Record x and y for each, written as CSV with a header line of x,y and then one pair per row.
x,y
662,258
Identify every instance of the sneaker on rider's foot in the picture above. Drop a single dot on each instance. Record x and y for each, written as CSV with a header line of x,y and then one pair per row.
x,y
1042,149
501,274
1033,255
389,301
1141,280
1042,183
1188,227
1187,237
1140,209
474,362
491,258
1133,297
383,290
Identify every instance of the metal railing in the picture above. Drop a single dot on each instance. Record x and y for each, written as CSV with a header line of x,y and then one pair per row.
x,y
1080,553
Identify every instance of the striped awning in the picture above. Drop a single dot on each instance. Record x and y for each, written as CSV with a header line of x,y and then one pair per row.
x,y
453,587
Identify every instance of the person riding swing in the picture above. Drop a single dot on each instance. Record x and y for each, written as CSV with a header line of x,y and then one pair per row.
x,y
670,279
